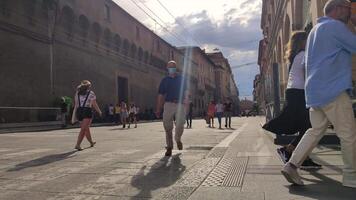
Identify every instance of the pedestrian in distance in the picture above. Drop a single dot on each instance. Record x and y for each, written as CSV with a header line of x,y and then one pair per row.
x,y
173,98
211,113
111,113
228,112
294,117
85,102
219,107
328,79
64,111
123,114
132,115
117,110
189,112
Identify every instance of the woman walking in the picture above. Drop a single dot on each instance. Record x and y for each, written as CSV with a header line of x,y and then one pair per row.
x,y
123,114
85,101
294,117
211,114
132,115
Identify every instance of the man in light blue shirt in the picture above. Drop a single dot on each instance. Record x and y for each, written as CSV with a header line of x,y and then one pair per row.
x,y
328,79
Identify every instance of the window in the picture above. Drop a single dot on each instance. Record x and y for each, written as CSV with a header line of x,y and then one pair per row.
x,y
146,56
117,43
125,48
107,12
133,51
67,20
140,54
96,32
83,26
107,37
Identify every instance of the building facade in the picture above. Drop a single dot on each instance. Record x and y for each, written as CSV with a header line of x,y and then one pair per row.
x,y
205,78
279,19
48,46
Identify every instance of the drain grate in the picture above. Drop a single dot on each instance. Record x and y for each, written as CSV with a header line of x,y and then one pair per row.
x,y
204,148
229,172
217,152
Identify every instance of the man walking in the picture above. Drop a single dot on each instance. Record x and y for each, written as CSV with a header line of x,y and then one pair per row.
x,y
172,94
328,79
228,113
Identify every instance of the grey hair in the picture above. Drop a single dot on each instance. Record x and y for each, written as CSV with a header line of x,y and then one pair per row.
x,y
172,62
332,4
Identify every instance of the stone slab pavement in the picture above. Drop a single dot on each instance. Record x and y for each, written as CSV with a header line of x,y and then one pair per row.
x,y
239,163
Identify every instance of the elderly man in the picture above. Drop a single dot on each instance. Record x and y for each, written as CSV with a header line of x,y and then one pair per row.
x,y
173,95
328,79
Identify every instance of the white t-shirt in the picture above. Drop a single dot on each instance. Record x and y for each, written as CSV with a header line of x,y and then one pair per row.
x,y
89,101
296,77
133,110
111,110
219,108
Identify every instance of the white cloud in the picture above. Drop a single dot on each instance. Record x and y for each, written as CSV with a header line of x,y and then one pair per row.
x,y
233,26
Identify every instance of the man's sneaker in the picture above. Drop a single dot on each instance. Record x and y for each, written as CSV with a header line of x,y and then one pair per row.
x,y
180,145
284,154
291,174
168,152
310,164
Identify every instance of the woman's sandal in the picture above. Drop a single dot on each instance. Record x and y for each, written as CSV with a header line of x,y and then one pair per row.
x,y
92,144
78,148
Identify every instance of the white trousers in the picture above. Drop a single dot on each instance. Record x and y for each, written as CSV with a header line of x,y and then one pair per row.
x,y
340,114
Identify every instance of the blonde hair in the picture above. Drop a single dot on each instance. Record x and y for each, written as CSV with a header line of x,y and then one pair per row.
x,y
83,87
296,44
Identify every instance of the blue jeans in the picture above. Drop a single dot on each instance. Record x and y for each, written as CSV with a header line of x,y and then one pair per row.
x,y
219,115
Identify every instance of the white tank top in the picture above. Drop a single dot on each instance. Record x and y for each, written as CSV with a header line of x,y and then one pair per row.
x,y
296,77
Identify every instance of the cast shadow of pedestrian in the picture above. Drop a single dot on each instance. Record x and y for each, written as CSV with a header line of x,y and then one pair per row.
x,y
163,173
323,188
43,161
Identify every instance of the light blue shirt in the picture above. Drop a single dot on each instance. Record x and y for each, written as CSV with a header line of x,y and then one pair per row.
x,y
328,61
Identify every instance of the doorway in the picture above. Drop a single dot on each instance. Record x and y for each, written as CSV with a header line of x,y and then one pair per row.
x,y
122,89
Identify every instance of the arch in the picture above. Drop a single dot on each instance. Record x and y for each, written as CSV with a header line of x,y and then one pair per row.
x,y
107,37
133,50
96,32
125,47
117,43
83,26
286,29
67,20
140,54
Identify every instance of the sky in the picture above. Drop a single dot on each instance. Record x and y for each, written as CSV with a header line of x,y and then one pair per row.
x,y
232,26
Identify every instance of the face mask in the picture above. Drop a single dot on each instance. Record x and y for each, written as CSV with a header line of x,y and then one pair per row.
x,y
172,70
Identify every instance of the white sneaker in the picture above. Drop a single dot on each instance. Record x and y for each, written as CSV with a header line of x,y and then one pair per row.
x,y
291,174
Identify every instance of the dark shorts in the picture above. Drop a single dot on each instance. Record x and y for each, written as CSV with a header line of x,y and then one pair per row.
x,y
84,113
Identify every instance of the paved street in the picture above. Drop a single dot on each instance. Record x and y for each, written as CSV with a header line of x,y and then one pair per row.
x,y
129,164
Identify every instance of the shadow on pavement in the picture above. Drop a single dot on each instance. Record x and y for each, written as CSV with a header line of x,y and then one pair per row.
x,y
323,188
42,161
121,129
163,173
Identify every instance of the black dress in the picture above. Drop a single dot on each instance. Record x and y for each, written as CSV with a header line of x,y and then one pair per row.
x,y
293,118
